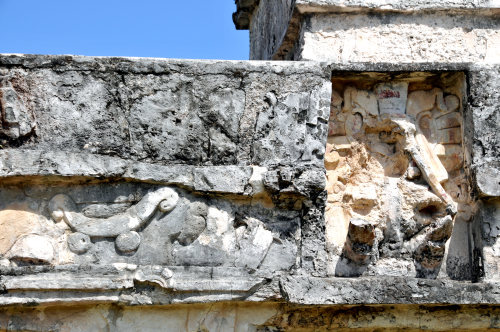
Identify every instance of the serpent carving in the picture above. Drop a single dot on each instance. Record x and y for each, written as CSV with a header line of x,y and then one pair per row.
x,y
121,226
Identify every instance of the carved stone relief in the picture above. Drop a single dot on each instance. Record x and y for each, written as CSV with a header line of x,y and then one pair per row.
x,y
141,224
121,226
396,177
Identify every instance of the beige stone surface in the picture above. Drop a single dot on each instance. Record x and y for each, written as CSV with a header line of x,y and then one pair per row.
x,y
431,158
32,248
400,38
14,222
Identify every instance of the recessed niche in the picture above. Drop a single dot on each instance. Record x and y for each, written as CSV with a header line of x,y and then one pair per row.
x,y
395,165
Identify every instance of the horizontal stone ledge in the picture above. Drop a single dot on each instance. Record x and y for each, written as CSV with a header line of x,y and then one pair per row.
x,y
16,165
118,283
54,281
332,6
221,179
407,67
387,290
130,284
157,66
122,276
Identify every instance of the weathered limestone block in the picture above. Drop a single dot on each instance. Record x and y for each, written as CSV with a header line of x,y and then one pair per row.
x,y
143,110
483,127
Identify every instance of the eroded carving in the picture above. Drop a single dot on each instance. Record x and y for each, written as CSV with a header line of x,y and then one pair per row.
x,y
15,121
396,182
144,224
120,226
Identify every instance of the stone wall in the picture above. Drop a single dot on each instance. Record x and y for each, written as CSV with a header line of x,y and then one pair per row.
x,y
148,182
119,171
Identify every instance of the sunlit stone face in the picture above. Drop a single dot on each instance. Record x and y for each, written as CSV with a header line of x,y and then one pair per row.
x,y
396,177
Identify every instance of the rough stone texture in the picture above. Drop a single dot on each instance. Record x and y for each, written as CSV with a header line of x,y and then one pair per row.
x,y
243,317
390,37
267,30
243,14
194,181
156,183
142,110
484,127
394,5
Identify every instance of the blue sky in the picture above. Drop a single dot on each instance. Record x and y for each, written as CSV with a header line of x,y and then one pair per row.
x,y
200,29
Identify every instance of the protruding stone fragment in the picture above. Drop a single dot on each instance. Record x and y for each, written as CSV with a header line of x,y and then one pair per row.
x,y
32,248
363,195
336,99
15,120
413,172
392,97
337,224
155,274
79,243
194,224
332,159
360,240
429,254
424,157
431,159
339,142
128,242
257,180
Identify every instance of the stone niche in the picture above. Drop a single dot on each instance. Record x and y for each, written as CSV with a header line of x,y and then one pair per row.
x,y
399,198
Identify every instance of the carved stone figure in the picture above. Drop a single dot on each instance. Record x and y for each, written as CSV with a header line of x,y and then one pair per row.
x,y
392,160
